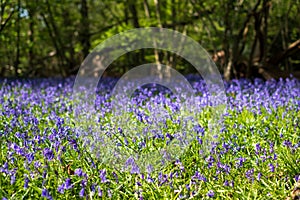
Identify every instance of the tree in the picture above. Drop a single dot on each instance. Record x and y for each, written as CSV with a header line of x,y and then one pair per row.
x,y
245,38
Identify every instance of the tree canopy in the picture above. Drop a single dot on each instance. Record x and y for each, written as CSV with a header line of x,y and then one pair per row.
x,y
244,38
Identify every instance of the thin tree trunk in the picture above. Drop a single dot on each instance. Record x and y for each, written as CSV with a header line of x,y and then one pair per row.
x,y
226,47
266,6
136,24
3,22
31,38
147,9
56,38
85,28
156,52
17,60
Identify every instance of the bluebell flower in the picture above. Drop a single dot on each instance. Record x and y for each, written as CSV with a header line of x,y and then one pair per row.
x,y
46,194
226,183
149,179
240,162
26,181
99,191
103,176
259,175
37,164
138,183
135,169
198,176
149,168
78,172
44,174
13,178
199,140
271,167
232,183
81,193
297,178
210,194
109,193
257,148
129,162
249,174
68,184
116,177
74,144
48,154
30,157
61,188
4,168
287,143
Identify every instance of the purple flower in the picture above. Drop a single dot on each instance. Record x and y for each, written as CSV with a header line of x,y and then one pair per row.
x,y
103,176
149,179
198,129
99,191
129,161
199,177
61,188
249,174
226,183
257,148
74,144
37,164
4,168
93,187
116,177
26,181
240,162
232,183
46,194
17,149
30,157
13,178
271,167
271,147
48,154
275,156
81,193
79,172
297,178
210,194
287,143
67,184
135,169
44,174
83,182
200,141
259,175
149,168
109,193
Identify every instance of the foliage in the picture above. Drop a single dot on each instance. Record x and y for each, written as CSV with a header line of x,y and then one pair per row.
x,y
50,38
42,154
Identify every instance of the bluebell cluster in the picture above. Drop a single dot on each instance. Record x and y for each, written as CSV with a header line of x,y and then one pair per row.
x,y
42,153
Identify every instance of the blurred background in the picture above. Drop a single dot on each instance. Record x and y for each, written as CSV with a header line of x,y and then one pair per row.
x,y
46,38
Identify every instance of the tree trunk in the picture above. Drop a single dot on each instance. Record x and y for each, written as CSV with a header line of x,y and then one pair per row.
x,y
56,39
157,54
31,38
135,21
85,28
17,59
226,43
